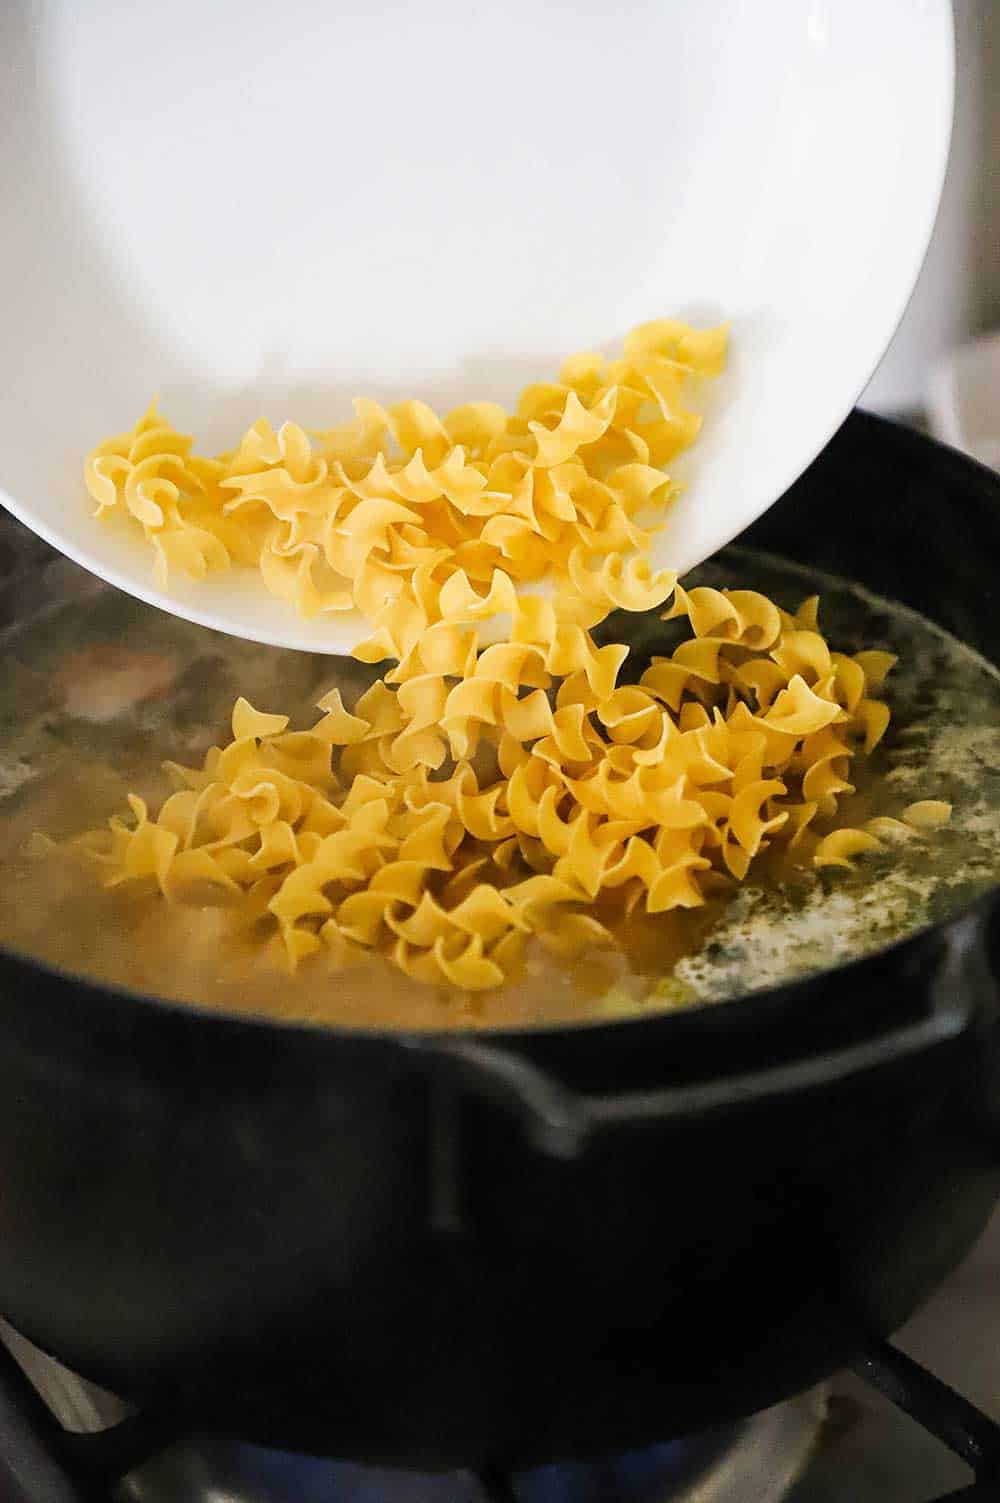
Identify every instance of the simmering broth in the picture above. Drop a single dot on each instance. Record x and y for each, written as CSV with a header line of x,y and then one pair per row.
x,y
97,692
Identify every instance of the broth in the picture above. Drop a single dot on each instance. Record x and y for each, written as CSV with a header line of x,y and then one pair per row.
x,y
97,692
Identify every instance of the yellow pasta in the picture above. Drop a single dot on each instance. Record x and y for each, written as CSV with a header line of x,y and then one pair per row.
x,y
927,814
414,519
483,794
478,796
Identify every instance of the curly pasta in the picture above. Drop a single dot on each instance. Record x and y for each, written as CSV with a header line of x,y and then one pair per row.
x,y
481,794
414,519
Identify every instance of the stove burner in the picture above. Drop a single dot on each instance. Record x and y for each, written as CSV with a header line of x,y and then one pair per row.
x,y
759,1460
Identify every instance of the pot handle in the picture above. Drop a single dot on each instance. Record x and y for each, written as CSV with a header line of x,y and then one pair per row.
x,y
561,1121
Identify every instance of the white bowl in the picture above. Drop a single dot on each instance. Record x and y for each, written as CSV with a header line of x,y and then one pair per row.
x,y
251,209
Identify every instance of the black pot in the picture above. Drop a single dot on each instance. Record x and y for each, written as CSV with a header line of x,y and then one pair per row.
x,y
436,1251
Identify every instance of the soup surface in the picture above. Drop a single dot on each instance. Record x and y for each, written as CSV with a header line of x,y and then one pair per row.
x,y
97,691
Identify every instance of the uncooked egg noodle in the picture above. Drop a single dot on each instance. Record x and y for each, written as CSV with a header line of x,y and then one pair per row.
x,y
411,518
478,795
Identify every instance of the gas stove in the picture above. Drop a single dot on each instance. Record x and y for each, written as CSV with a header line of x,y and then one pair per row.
x,y
893,1431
